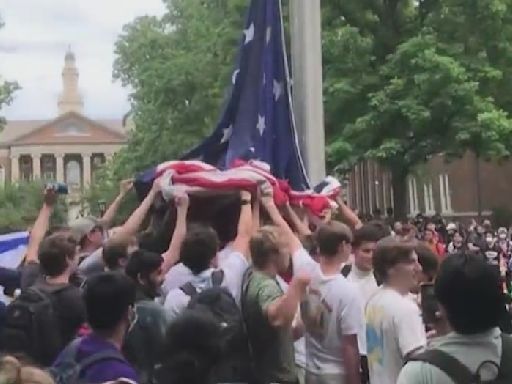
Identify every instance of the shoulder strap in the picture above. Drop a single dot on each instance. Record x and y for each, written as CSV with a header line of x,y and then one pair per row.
x,y
246,279
189,289
457,371
98,357
345,271
217,277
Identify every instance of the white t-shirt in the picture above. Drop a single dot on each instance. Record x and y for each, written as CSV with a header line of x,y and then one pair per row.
x,y
365,283
180,275
234,266
393,329
367,287
177,276
332,308
470,350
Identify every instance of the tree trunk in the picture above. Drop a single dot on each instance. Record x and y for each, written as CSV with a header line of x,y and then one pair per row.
x,y
399,182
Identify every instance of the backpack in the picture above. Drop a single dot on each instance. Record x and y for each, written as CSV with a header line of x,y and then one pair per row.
x,y
67,370
460,374
236,364
32,326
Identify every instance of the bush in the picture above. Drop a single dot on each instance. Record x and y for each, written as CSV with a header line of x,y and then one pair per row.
x,y
20,205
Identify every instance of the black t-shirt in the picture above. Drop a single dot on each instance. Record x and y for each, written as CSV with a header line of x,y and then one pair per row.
x,y
70,306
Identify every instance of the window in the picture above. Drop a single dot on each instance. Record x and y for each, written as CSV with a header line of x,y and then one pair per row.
x,y
445,193
48,166
72,128
25,168
428,196
98,160
413,197
73,177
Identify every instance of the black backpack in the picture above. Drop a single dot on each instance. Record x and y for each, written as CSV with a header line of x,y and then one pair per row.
x,y
235,365
460,374
68,370
32,326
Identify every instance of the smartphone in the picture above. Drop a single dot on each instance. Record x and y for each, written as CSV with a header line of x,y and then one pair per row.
x,y
429,303
59,188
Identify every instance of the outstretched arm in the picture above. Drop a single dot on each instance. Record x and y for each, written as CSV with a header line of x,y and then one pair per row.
x,y
244,232
293,241
41,226
172,255
281,312
132,225
348,214
108,217
301,228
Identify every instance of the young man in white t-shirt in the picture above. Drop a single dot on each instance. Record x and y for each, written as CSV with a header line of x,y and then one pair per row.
x,y
199,249
332,313
361,274
394,328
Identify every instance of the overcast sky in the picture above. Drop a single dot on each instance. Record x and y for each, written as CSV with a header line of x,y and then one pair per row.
x,y
36,36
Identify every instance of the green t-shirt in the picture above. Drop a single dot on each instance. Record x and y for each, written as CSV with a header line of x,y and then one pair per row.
x,y
272,347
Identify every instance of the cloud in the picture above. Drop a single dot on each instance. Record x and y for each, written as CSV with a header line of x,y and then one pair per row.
x,y
36,36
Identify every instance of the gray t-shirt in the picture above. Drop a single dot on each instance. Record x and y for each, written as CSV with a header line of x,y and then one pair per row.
x,y
92,264
469,350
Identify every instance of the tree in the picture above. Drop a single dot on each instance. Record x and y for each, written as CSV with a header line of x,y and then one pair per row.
x,y
415,79
178,67
7,89
20,205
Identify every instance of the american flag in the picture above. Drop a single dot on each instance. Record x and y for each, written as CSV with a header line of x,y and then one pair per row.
x,y
257,121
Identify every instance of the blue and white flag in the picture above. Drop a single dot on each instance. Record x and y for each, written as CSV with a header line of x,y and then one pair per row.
x,y
13,247
258,122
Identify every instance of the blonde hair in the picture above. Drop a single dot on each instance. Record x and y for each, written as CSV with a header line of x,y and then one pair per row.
x,y
12,371
264,245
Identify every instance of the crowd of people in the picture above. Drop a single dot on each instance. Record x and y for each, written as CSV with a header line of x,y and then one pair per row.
x,y
255,293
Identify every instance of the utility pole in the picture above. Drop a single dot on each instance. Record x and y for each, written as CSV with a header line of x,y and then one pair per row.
x,y
306,28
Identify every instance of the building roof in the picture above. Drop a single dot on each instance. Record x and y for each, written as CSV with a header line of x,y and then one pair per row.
x,y
16,129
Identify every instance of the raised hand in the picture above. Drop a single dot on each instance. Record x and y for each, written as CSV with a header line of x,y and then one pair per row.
x,y
181,200
266,195
125,186
50,197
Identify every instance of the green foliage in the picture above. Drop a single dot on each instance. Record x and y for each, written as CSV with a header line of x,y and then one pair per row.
x,y
7,89
178,67
20,205
405,80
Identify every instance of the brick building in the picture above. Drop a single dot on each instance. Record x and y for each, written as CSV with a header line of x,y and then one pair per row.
x,y
450,189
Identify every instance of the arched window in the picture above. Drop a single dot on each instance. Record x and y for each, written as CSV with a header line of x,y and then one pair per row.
x,y
73,177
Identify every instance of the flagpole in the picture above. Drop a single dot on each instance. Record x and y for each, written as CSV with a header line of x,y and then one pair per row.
x,y
307,84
